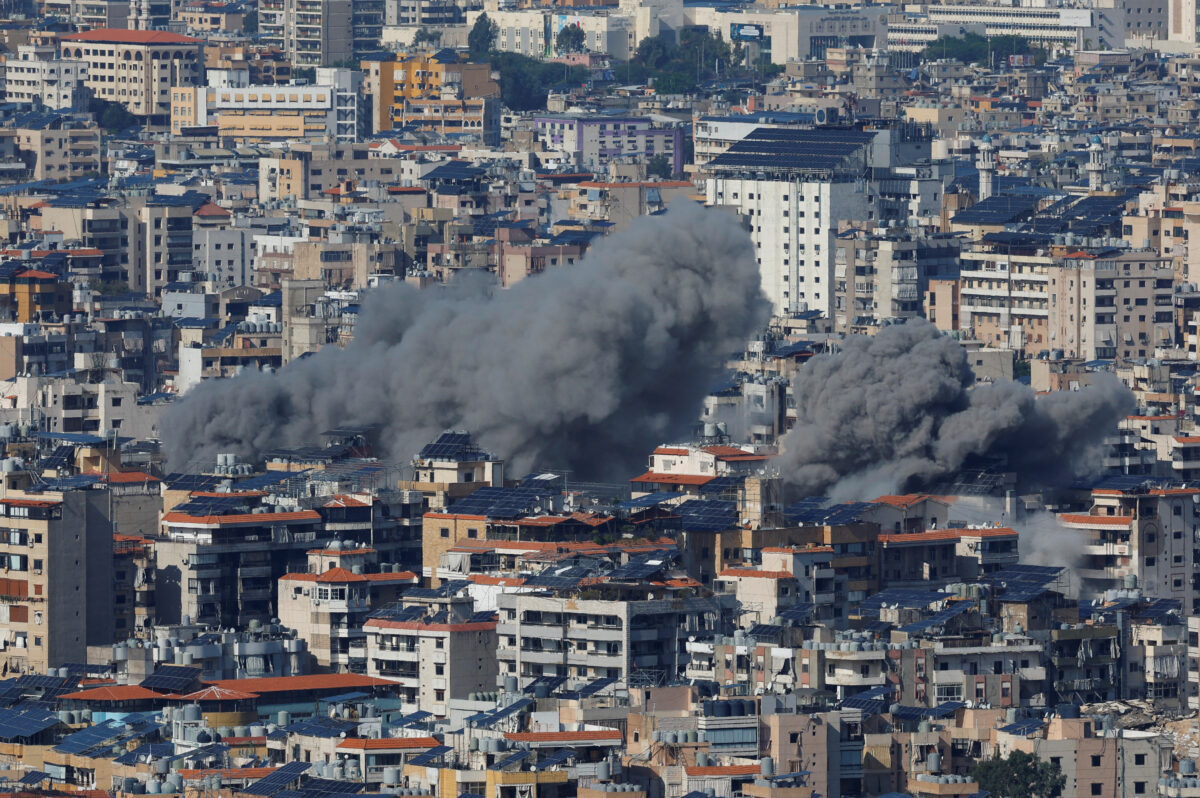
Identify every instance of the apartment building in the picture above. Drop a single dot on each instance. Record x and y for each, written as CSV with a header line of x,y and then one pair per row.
x,y
58,146
328,604
884,273
321,32
436,657
1003,292
162,234
308,169
246,113
532,32
208,16
57,587
36,72
451,116
97,225
594,141
1141,537
1065,26
1111,304
582,638
90,14
136,68
423,76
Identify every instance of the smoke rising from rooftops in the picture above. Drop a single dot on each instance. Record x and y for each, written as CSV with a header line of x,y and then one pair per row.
x,y
585,367
899,411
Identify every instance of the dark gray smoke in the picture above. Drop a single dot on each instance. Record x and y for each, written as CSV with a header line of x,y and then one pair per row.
x,y
585,367
897,411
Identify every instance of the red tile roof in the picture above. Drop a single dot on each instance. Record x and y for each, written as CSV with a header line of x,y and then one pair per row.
x,y
122,36
673,479
671,450
750,573
1096,520
320,681
212,209
387,743
116,692
214,693
595,735
117,477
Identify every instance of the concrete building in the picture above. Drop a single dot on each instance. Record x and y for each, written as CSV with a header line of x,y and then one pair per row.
x,y
594,638
331,107
594,141
423,76
136,68
436,657
1111,304
58,146
532,32
57,585
322,32
37,73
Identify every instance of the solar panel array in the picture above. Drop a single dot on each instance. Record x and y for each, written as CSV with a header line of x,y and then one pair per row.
x,y
649,500
324,727
707,515
512,759
33,777
550,683
267,480
816,511
192,482
592,688
557,757
412,719
1023,728
315,787
214,505
172,678
400,613
799,612
1025,582
444,590
430,756
899,596
279,780
637,570
17,724
761,630
453,446
721,485
498,502
86,740
490,719
939,618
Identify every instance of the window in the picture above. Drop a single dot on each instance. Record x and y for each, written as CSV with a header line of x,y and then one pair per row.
x,y
445,532
1139,788
1139,759
1095,761
1097,787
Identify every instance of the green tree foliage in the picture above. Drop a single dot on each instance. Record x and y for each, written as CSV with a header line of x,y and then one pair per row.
x,y
659,166
971,48
482,38
428,36
677,67
1020,775
112,116
525,82
569,40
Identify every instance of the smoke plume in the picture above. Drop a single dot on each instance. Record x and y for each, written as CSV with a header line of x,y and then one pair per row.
x,y
584,367
898,412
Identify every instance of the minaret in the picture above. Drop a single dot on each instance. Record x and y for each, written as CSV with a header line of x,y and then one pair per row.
x,y
987,167
1095,166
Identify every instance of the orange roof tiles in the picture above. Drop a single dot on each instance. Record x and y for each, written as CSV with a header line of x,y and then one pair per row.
x,y
500,581
118,477
283,684
1187,439
673,479
122,36
594,735
387,743
340,575
672,451
212,209
116,692
750,573
214,693
733,453
1096,520
346,501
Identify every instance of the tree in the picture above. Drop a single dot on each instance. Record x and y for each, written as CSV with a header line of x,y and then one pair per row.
x,y
525,81
659,166
971,48
111,116
428,36
1020,775
482,38
570,39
